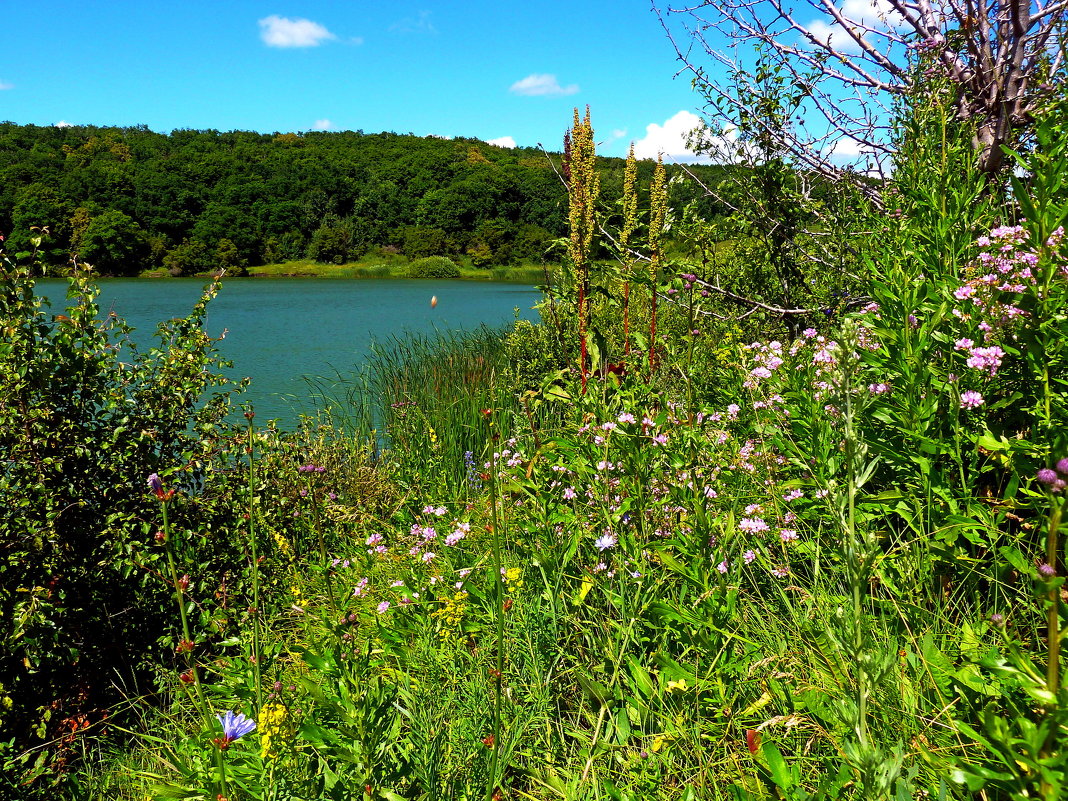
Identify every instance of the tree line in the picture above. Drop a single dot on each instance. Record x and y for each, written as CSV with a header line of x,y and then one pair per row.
x,y
127,199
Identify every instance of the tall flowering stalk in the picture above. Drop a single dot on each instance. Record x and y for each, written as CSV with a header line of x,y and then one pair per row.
x,y
254,554
180,584
498,604
630,224
583,187
657,216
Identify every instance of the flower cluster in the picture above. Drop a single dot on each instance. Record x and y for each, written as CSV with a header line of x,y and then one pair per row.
x,y
1055,479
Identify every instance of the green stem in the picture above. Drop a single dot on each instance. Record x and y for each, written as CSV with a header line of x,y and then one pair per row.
x,y
857,556
179,595
1053,664
254,552
499,612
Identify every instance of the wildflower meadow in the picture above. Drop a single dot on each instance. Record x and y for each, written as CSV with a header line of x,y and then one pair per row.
x,y
665,544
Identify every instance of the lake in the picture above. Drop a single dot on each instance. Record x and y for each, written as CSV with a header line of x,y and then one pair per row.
x,y
280,331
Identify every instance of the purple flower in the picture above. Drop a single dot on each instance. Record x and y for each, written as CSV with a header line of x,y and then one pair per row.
x,y
1062,467
1046,476
753,525
970,399
603,543
1046,571
383,607
155,483
235,726
988,359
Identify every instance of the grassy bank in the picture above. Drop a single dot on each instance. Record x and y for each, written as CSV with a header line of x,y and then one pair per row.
x,y
372,268
395,267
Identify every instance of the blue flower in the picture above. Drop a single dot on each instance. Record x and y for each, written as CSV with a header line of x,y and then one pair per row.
x,y
235,726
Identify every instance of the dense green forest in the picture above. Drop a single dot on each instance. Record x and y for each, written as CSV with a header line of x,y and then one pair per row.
x,y
126,199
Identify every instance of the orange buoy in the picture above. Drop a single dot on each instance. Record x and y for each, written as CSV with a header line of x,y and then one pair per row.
x,y
433,301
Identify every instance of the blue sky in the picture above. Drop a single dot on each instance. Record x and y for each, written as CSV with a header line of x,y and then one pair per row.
x,y
504,72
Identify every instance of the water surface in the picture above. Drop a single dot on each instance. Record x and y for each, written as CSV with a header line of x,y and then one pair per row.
x,y
278,331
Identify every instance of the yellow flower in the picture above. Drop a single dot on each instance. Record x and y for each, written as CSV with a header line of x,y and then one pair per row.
x,y
451,614
273,727
679,685
282,543
513,578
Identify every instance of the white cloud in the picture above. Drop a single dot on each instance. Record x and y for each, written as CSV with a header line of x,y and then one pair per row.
x,y
417,24
63,124
503,141
279,31
833,35
669,139
875,14
541,85
6,85
322,125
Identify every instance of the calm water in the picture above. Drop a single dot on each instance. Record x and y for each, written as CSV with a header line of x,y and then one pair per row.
x,y
281,330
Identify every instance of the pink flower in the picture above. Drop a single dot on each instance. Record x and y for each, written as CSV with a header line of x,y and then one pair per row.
x,y
749,556
383,607
970,399
753,525
988,359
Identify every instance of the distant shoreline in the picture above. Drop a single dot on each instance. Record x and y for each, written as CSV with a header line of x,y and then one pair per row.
x,y
303,269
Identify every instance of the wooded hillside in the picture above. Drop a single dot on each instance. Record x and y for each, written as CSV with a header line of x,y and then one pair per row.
x,y
125,199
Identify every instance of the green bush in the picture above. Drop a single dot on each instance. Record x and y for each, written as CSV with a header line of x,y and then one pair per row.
x,y
84,419
434,267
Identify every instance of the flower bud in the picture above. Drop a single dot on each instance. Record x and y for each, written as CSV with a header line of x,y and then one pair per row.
x,y
1046,476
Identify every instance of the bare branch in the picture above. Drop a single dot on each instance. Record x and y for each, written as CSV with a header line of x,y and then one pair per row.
x,y
991,50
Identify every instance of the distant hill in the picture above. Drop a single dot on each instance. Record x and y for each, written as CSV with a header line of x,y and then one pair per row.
x,y
129,198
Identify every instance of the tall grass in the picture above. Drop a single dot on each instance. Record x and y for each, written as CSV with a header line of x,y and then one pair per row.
x,y
422,399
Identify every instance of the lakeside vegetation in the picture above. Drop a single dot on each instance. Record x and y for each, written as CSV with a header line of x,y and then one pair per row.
x,y
130,199
397,267
776,519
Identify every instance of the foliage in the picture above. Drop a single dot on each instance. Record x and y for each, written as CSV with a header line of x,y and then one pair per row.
x,y
84,418
850,64
113,243
728,562
434,267
329,196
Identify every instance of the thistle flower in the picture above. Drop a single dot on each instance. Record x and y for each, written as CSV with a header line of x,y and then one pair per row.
x,y
1046,476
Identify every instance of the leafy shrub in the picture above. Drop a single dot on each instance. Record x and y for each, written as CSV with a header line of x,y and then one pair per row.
x,y
434,267
84,418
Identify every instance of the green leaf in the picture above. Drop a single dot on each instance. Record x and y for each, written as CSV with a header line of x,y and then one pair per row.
x,y
780,771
